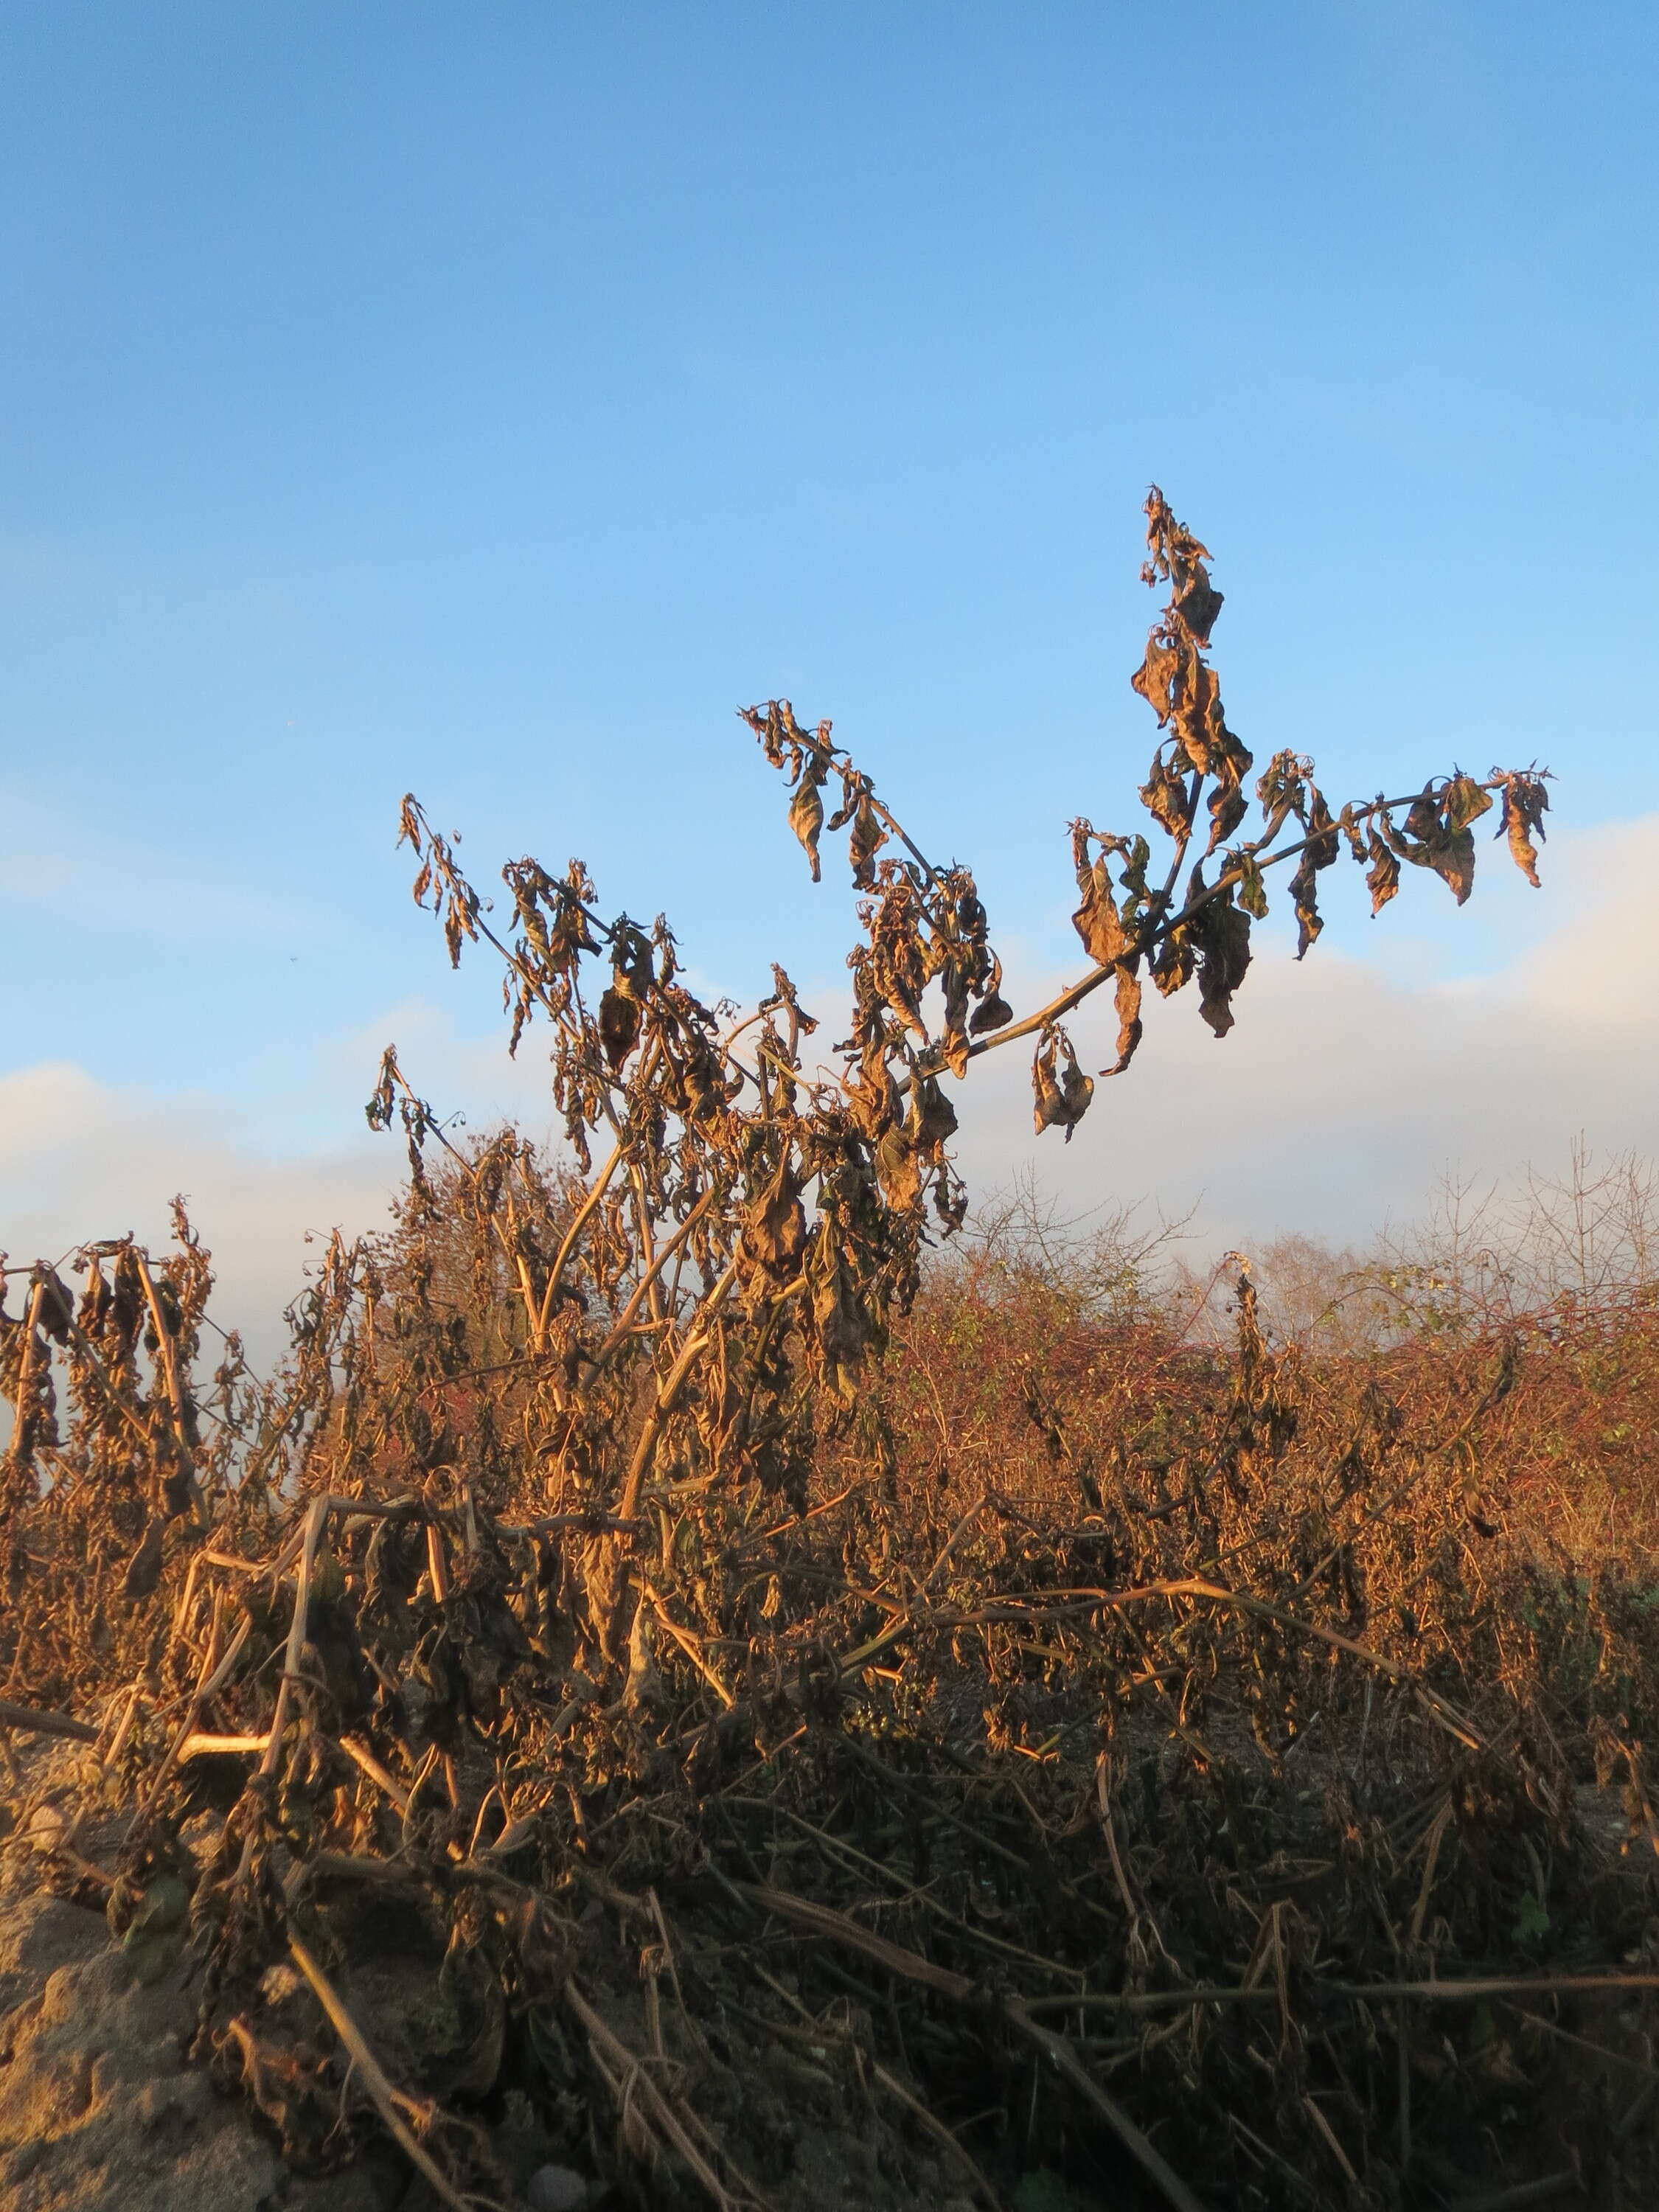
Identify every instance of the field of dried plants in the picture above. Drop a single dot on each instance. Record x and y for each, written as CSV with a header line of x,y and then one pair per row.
x,y
713,1675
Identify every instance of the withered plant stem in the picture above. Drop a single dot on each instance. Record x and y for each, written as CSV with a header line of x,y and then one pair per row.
x,y
373,2079
311,1532
32,1721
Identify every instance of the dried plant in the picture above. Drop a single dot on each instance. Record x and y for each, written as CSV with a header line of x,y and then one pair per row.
x,y
664,1645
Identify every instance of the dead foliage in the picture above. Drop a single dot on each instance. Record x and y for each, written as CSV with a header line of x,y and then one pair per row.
x,y
600,1688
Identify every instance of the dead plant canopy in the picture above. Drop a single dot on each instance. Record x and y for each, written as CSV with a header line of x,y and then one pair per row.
x,y
615,1690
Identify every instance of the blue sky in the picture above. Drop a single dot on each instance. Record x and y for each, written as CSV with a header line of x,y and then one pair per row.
x,y
487,400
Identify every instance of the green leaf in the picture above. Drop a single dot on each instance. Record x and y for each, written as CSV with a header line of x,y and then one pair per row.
x,y
1532,1919
155,1935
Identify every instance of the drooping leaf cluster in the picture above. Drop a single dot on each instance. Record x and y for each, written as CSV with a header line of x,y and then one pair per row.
x,y
1146,912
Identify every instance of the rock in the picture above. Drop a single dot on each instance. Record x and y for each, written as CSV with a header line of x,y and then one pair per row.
x,y
48,1826
43,1932
556,2189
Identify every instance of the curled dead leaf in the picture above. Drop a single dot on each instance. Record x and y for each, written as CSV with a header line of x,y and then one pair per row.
x,y
1129,1025
1061,1089
1526,801
806,812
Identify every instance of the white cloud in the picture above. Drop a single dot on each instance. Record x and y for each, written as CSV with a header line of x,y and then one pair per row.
x,y
1342,1094
1337,1100
81,1160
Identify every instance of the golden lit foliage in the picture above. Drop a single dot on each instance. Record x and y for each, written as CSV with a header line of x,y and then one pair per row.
x,y
686,1626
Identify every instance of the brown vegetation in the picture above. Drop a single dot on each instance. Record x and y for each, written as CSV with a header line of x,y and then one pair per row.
x,y
684,1671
